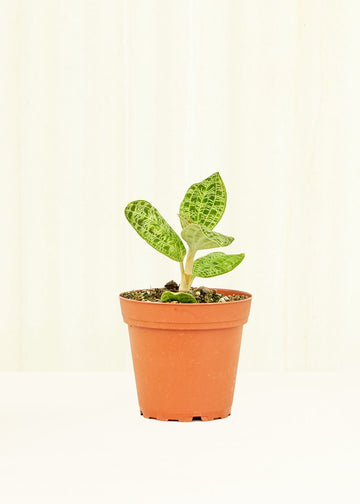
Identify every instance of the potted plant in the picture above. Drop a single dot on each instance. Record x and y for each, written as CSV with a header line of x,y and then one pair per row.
x,y
185,341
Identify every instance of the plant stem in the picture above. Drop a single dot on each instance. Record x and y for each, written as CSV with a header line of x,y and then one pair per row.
x,y
186,273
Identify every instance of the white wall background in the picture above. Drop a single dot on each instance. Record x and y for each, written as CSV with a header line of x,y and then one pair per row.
x,y
107,101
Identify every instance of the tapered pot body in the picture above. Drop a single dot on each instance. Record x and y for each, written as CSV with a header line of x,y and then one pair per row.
x,y
185,356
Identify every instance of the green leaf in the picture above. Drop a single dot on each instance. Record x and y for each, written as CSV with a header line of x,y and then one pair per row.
x,y
199,238
153,228
182,297
216,263
205,202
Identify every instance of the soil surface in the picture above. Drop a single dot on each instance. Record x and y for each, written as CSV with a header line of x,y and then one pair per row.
x,y
201,294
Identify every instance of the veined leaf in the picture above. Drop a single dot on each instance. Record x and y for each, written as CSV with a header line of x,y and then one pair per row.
x,y
204,203
216,263
153,228
199,237
182,297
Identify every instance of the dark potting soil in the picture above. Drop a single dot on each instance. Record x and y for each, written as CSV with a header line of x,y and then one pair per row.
x,y
201,294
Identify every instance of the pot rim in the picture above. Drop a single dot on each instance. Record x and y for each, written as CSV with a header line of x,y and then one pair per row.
x,y
194,305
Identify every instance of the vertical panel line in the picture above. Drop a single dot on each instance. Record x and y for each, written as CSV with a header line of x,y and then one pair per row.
x,y
20,82
190,130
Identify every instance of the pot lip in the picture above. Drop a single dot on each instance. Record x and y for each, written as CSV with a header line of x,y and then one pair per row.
x,y
192,305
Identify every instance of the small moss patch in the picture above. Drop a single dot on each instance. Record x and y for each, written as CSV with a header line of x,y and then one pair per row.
x,y
201,294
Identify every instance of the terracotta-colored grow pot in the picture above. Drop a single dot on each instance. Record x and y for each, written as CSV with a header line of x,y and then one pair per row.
x,y
185,356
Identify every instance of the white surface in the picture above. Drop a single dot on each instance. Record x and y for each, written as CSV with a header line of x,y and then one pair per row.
x,y
105,102
78,438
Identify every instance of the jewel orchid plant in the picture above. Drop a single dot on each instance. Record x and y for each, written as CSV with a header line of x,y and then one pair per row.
x,y
200,211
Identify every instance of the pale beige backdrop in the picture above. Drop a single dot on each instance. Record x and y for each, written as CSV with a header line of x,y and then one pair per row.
x,y
104,101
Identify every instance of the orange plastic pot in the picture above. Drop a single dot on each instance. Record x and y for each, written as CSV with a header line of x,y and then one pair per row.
x,y
185,356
